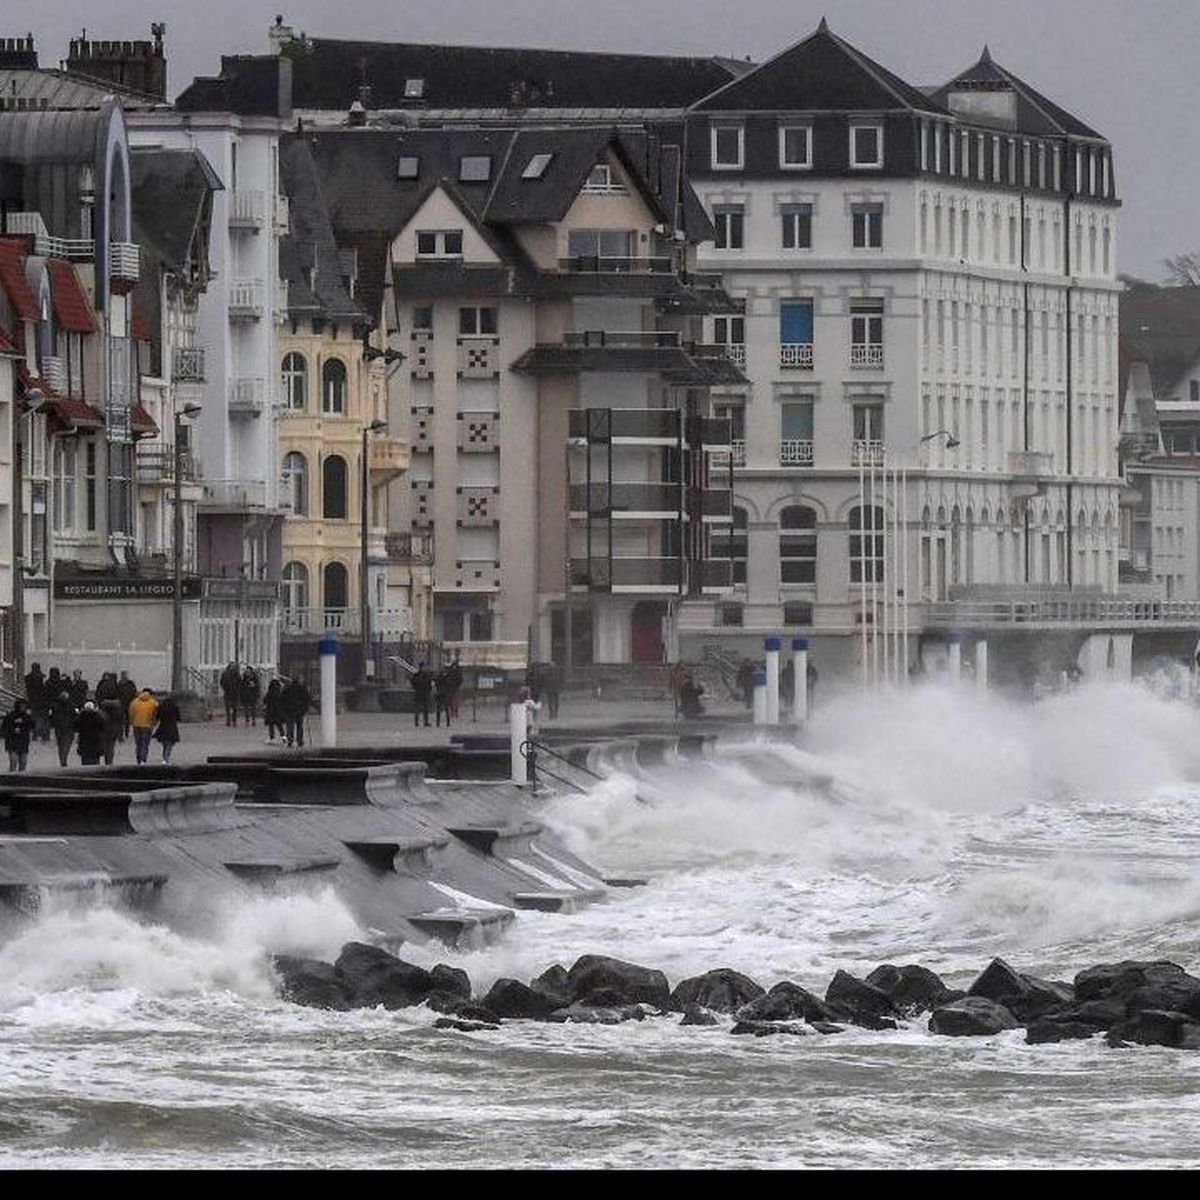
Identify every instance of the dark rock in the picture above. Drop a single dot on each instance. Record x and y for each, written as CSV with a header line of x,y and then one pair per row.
x,y
1043,1031
827,1027
604,997
444,1002
374,977
767,1028
451,979
637,984
859,1003
721,990
464,1026
911,989
1153,1027
456,1006
586,1014
1120,979
311,983
1181,994
1100,1014
693,1014
511,998
1026,996
553,983
973,1016
786,1002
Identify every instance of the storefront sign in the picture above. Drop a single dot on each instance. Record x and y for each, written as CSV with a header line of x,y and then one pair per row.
x,y
124,589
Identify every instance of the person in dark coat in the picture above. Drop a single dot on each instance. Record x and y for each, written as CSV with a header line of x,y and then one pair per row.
x,y
89,726
441,696
114,722
250,692
231,689
422,686
35,693
79,688
126,690
273,716
17,730
295,700
551,688
55,683
689,698
167,733
62,721
454,680
745,682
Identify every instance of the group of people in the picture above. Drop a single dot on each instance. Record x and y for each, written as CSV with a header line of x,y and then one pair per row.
x,y
283,708
745,681
92,721
241,692
441,690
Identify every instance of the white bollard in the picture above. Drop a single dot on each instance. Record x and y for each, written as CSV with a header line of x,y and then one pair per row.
x,y
981,666
799,680
771,646
760,696
518,733
955,664
328,650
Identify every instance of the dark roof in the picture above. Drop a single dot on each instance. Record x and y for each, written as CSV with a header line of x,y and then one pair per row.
x,y
1035,113
1161,326
170,189
329,74
819,72
249,84
71,307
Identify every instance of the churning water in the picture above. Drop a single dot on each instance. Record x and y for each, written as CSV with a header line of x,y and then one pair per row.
x,y
935,826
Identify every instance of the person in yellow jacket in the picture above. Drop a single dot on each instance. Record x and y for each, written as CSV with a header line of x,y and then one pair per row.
x,y
143,712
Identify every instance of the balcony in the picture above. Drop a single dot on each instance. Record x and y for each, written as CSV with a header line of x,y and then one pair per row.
x,y
736,453
627,574
645,426
247,397
246,210
866,356
30,224
282,297
866,453
246,300
641,339
124,266
409,549
283,215
387,457
796,356
735,352
1048,609
54,372
796,452
234,495
187,364
386,623
636,501
593,263
156,464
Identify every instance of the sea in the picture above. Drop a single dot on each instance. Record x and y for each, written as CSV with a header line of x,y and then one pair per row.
x,y
933,825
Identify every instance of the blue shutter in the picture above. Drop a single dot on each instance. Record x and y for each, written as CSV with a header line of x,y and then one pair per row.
x,y
796,322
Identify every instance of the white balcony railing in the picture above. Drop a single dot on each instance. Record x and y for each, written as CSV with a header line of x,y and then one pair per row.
x,y
124,262
246,210
866,453
390,623
796,452
247,396
54,372
796,355
30,224
735,352
246,299
866,354
234,493
736,453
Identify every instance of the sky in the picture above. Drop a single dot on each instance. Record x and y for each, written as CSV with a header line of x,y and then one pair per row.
x,y
1126,68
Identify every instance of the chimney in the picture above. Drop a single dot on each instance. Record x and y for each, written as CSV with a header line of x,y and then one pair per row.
x,y
18,53
140,66
280,35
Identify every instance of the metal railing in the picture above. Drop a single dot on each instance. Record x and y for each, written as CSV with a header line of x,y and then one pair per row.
x,y
246,298
735,352
627,264
1064,610
156,463
866,354
411,548
30,224
796,452
124,261
246,210
736,452
54,372
187,364
654,339
866,453
796,355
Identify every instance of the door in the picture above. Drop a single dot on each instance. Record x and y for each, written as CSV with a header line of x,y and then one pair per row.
x,y
646,632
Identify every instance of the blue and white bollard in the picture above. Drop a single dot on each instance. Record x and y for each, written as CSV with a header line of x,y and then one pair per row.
x,y
328,652
772,645
760,696
799,680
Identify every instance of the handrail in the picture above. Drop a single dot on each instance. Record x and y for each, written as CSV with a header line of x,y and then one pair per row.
x,y
533,743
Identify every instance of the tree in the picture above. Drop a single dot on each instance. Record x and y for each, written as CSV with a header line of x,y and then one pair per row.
x,y
1183,270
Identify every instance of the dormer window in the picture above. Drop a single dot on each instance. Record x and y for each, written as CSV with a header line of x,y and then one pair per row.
x,y
536,167
414,89
408,166
866,147
475,168
439,243
601,180
795,147
728,147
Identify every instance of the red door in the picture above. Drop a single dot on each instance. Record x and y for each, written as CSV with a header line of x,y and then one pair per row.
x,y
646,632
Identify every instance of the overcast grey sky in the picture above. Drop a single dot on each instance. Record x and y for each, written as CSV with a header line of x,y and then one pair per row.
x,y
1127,67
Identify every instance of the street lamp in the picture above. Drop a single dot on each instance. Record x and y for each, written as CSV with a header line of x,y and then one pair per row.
x,y
368,663
177,683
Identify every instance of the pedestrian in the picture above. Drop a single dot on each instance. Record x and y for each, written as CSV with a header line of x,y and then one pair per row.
x,y
689,698
811,676
231,686
295,701
675,682
273,712
79,688
89,726
35,693
551,689
126,690
745,681
455,679
114,721
422,686
62,721
17,729
441,696
55,683
167,733
532,708
249,692
143,712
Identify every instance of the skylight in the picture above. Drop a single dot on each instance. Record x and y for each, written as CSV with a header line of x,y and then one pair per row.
x,y
475,168
408,166
536,167
414,89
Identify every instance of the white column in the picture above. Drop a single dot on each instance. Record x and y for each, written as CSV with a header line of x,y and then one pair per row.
x,y
981,665
328,650
760,696
518,734
771,645
955,653
799,680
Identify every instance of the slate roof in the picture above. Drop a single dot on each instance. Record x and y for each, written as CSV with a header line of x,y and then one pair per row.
x,y
1160,326
1035,113
328,74
169,189
45,88
249,84
819,72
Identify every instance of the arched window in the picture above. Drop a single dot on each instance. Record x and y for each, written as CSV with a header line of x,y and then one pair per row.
x,y
731,541
798,544
295,382
333,488
295,482
866,544
337,587
295,586
333,387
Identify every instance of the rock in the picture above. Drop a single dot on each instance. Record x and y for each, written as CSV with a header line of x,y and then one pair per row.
x,y
374,977
464,1026
767,1028
604,997
859,1003
553,983
1181,994
1026,996
586,1014
1041,1032
911,989
722,990
1120,979
693,1014
1153,1027
973,1016
451,979
444,1002
1100,1014
637,984
786,1002
826,1027
511,998
456,1006
311,983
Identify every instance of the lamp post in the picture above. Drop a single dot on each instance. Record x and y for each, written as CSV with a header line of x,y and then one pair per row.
x,y
34,399
177,682
364,597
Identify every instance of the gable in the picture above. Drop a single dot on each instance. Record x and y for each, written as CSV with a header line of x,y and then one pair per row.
x,y
439,212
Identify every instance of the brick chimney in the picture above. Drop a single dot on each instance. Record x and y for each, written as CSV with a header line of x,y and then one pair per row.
x,y
18,53
141,66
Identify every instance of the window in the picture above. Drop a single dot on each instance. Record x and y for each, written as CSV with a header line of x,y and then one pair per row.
x,y
866,333
728,147
295,482
414,89
600,179
334,488
729,331
796,333
600,244
730,614
867,226
729,220
295,382
797,226
868,424
437,243
337,586
295,586
422,319
333,388
797,614
796,433
735,414
408,166
89,482
732,542
535,168
866,545
866,146
477,322
795,147
65,466
798,544
474,168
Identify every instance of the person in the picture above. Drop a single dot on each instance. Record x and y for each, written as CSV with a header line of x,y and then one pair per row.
x,y
273,712
55,683
534,682
62,721
295,701
689,698
532,708
89,726
422,686
126,690
745,682
787,683
231,686
811,676
249,691
35,693
143,710
441,696
114,720
17,728
551,688
79,688
675,682
167,733
455,680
